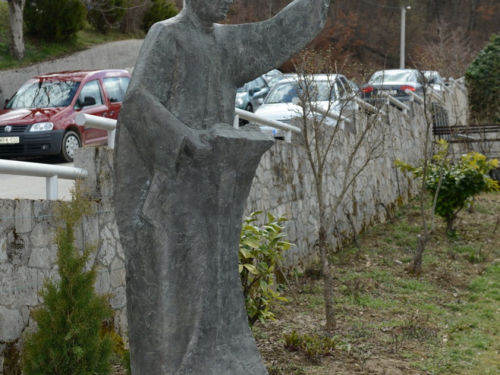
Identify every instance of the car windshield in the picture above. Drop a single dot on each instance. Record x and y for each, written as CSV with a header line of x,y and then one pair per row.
x,y
319,91
43,94
392,76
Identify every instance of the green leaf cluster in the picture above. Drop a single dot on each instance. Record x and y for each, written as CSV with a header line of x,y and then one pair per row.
x,y
261,250
105,14
313,347
457,182
159,11
483,80
54,20
68,338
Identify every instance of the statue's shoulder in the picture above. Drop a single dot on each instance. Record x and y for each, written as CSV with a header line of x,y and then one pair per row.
x,y
172,27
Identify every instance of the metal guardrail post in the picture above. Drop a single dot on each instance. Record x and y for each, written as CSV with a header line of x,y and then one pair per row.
x,y
51,188
99,123
236,122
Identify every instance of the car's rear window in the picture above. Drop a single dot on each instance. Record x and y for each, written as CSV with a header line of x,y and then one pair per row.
x,y
116,88
44,94
392,76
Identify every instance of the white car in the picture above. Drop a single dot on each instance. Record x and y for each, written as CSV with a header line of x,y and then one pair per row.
x,y
330,92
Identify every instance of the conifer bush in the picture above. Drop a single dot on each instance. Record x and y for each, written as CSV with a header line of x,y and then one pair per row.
x,y
54,20
68,339
160,10
483,81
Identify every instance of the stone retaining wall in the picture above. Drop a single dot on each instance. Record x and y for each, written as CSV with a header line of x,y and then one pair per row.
x,y
283,185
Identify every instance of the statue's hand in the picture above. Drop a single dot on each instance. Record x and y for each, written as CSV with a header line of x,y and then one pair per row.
x,y
161,138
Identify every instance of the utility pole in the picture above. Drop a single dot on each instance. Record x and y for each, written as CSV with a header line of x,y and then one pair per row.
x,y
403,31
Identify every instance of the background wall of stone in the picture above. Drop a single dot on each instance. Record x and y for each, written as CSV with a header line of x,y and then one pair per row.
x,y
283,185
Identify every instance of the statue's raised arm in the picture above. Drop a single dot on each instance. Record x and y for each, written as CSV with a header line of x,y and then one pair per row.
x,y
262,46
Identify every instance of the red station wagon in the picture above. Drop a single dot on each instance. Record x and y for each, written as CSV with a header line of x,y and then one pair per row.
x,y
40,118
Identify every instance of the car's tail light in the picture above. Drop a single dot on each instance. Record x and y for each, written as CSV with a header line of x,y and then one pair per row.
x,y
367,89
411,88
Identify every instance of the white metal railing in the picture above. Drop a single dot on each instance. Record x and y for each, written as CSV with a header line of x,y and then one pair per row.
x,y
51,172
250,116
397,103
434,94
414,96
99,123
369,107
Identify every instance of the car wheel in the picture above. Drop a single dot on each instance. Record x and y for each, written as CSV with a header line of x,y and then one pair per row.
x,y
70,142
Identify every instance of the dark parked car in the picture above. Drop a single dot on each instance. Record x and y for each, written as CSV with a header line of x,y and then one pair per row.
x,y
40,118
252,94
393,82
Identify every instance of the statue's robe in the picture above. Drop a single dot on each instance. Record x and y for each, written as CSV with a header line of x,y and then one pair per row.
x,y
182,175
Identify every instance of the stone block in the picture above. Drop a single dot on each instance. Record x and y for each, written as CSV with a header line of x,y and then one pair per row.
x,y
117,272
40,258
23,216
118,299
103,282
11,324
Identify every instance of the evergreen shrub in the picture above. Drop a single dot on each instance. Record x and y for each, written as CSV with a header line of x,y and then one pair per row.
x,y
68,337
160,10
261,251
54,20
483,81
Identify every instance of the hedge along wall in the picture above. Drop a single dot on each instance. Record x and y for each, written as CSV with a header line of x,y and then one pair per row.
x,y
283,185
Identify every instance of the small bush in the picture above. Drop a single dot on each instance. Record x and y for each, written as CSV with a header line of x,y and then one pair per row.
x,y
457,182
159,11
69,337
105,14
261,250
314,347
54,20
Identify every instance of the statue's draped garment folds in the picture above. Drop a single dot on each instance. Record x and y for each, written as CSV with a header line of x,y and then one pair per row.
x,y
182,175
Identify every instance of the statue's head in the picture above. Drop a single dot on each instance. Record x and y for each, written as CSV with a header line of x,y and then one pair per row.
x,y
208,11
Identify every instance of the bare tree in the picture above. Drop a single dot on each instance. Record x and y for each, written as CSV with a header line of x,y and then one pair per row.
x,y
448,49
16,8
360,144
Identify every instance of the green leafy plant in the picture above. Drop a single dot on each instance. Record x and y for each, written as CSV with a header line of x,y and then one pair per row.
x,y
455,183
54,20
69,338
483,81
314,347
159,11
261,250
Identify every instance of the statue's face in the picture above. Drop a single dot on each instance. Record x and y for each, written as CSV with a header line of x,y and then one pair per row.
x,y
210,10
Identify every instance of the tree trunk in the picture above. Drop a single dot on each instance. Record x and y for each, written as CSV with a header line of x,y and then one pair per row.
x,y
415,267
325,262
449,224
16,8
327,281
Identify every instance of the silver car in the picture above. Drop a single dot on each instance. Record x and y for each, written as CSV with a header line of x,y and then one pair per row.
x,y
331,92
